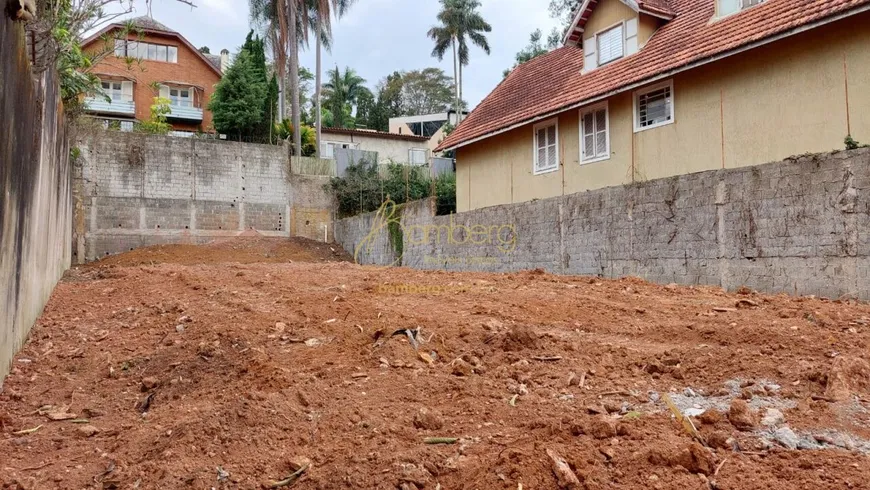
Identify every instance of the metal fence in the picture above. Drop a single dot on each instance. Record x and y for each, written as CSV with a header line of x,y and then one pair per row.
x,y
345,157
441,166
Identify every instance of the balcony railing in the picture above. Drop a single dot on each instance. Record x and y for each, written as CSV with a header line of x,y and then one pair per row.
x,y
100,105
185,113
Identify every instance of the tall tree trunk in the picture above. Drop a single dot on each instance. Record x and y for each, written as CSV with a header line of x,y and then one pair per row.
x,y
294,78
459,114
455,80
282,74
317,87
281,98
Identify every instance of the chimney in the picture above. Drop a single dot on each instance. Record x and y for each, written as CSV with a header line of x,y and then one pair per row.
x,y
225,60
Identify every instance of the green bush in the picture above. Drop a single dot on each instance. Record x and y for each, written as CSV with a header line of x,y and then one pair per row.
x,y
284,131
157,124
363,188
445,191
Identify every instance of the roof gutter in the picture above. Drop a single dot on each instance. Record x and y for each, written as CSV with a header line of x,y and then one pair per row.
x,y
666,74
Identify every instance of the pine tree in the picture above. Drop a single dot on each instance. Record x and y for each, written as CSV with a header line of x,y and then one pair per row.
x,y
244,102
237,103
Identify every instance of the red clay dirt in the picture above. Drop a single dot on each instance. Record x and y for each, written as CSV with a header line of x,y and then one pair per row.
x,y
181,367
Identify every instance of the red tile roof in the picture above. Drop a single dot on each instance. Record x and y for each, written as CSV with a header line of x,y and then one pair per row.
x,y
371,133
552,83
148,25
658,8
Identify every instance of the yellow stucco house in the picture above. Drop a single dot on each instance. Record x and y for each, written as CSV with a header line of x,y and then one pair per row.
x,y
654,88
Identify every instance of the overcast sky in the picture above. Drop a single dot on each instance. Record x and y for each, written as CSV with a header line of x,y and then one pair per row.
x,y
376,37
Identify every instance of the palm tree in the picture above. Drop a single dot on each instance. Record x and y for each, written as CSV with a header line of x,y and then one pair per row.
x,y
285,20
264,18
343,90
323,11
460,22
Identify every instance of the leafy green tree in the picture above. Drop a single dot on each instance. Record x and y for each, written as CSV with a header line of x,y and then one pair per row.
x,y
426,91
270,107
323,11
306,99
460,22
563,9
284,23
342,93
237,103
157,124
205,50
284,131
244,102
388,103
536,47
365,106
364,188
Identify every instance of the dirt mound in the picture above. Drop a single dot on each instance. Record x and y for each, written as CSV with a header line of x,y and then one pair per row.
x,y
244,249
849,376
225,375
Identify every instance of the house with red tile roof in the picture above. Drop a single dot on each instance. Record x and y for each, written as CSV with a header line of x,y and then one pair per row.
x,y
153,61
645,89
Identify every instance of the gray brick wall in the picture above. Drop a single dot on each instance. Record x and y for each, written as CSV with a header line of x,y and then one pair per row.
x,y
798,226
136,190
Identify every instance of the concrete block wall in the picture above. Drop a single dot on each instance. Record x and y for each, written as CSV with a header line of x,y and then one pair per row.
x,y
798,226
35,192
133,190
311,216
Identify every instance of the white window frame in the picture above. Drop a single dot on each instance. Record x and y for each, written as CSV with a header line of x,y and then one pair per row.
x,y
425,156
178,100
593,109
146,51
621,27
336,144
742,5
652,88
535,128
116,94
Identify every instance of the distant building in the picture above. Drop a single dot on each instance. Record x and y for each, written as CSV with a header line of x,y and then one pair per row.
x,y
391,147
429,126
169,66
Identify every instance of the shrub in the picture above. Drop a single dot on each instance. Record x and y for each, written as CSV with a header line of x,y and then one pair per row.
x,y
157,124
364,188
284,131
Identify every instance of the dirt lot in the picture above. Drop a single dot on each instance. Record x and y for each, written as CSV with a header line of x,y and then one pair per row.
x,y
177,368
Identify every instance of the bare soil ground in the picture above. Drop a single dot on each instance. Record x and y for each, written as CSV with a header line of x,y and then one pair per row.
x,y
228,366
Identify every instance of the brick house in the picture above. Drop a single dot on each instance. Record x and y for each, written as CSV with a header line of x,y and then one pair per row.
x,y
165,64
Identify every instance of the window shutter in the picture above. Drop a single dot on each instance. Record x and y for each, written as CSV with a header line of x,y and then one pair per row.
x,y
127,91
601,133
631,36
594,134
551,146
610,45
588,136
164,91
590,59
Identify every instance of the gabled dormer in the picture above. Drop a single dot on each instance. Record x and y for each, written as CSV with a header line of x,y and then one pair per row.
x,y
609,30
724,8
